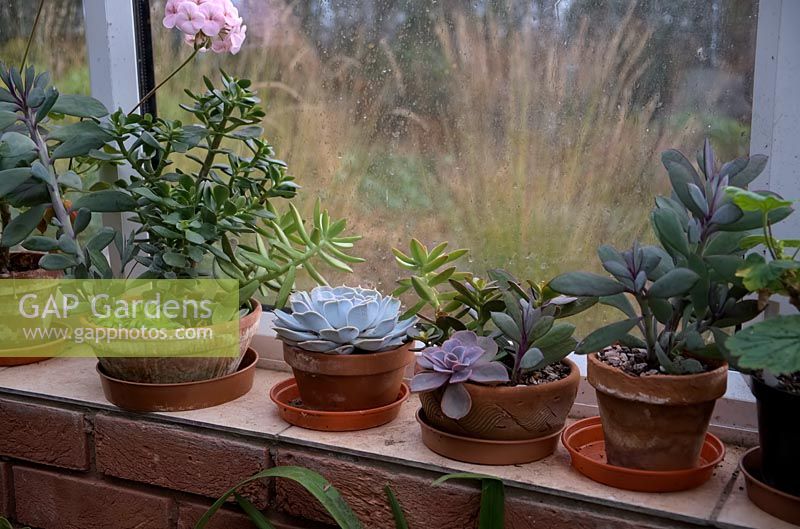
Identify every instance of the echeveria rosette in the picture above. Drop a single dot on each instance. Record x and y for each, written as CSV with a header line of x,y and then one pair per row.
x,y
343,320
465,357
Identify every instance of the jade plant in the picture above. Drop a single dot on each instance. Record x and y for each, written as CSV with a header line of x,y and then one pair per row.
x,y
772,345
41,159
686,290
205,189
343,320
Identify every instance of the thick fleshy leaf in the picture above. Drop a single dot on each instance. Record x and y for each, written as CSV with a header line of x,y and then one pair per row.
x,y
674,283
531,358
492,372
106,201
78,139
669,231
311,321
605,336
341,335
681,174
428,381
507,326
585,284
295,336
456,401
22,225
10,179
80,106
621,302
755,166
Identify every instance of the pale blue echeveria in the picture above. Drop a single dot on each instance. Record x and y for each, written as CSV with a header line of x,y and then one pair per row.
x,y
342,320
465,357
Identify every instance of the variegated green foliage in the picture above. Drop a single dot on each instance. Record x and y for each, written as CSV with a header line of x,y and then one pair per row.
x,y
687,289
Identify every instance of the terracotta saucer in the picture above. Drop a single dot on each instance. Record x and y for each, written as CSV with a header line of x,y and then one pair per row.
x,y
585,443
286,396
484,451
768,499
137,396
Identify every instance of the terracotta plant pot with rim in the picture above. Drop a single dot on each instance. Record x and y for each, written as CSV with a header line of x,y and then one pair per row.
x,y
656,422
25,265
172,370
508,413
360,381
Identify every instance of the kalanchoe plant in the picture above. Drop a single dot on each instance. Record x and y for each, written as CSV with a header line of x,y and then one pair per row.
x,y
35,173
774,344
687,290
343,320
185,215
529,337
464,357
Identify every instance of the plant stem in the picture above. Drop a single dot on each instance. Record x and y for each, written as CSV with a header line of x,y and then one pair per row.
x,y
30,36
52,186
149,94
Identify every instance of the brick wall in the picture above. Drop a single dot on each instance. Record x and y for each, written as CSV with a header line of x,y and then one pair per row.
x,y
67,467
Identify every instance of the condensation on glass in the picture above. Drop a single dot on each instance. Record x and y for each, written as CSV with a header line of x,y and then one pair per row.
x,y
58,46
526,130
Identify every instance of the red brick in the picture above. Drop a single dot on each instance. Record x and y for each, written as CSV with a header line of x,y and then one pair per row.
x,y
177,458
229,518
6,491
43,434
49,500
362,486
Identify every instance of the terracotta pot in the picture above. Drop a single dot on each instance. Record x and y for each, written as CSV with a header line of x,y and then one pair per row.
x,y
135,396
25,265
779,436
332,382
656,422
174,370
508,413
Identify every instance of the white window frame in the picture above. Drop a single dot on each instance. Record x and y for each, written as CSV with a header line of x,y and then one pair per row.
x,y
775,131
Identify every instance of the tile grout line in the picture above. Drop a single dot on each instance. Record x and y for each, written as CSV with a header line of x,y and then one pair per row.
x,y
723,497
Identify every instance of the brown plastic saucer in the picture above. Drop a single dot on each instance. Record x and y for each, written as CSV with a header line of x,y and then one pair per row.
x,y
585,442
137,396
485,451
286,396
768,499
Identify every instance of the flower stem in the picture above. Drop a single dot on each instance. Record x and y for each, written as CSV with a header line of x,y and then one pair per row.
x,y
30,37
149,94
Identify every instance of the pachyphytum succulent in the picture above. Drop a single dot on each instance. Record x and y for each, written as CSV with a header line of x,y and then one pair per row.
x,y
465,357
343,320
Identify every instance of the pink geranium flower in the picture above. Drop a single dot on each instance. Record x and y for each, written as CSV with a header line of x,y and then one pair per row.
x,y
207,24
189,19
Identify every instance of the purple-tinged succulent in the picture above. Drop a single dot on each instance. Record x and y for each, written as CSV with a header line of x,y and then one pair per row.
x,y
465,357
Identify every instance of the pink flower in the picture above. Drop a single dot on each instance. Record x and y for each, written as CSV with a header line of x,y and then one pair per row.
x,y
232,42
171,13
189,18
215,18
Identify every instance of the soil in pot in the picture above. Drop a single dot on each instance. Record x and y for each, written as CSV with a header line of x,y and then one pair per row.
x,y
175,370
511,413
25,265
653,421
779,431
358,381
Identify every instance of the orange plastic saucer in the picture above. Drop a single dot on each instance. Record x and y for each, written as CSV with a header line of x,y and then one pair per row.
x,y
586,445
285,394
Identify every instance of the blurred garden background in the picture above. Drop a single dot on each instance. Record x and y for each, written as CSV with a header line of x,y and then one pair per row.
x,y
526,130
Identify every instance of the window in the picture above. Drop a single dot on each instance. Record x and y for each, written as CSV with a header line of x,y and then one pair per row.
x,y
528,131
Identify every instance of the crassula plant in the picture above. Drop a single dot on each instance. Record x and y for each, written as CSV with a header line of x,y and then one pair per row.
x,y
343,320
686,290
41,159
773,345
464,357
201,189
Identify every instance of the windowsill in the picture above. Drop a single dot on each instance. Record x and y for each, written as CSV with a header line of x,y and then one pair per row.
x,y
734,419
720,502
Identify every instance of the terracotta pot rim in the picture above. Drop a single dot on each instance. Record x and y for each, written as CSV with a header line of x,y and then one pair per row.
x,y
277,389
698,387
352,357
250,355
574,372
423,421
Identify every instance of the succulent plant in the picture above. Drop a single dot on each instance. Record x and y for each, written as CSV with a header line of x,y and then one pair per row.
x,y
528,335
465,357
686,290
343,320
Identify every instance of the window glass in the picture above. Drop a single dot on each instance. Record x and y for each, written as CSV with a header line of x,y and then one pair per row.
x,y
59,45
526,130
